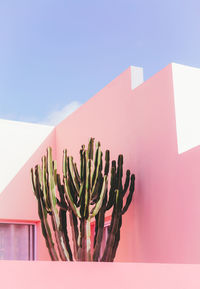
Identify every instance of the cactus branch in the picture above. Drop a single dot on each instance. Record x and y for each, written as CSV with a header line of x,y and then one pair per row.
x,y
43,215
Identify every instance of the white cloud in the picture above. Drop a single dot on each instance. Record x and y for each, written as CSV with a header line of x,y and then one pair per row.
x,y
57,116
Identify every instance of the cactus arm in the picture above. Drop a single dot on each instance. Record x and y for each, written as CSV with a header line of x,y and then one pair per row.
x,y
118,203
99,183
95,162
85,245
62,215
46,231
70,199
62,203
120,172
44,184
33,183
97,191
39,175
82,203
97,207
73,210
127,181
65,163
112,229
82,188
90,150
43,216
97,168
99,230
111,239
73,176
44,181
82,163
85,242
63,228
67,191
54,164
96,229
111,199
81,241
117,239
64,254
130,196
75,233
87,188
81,249
61,206
112,187
82,175
107,162
77,174
97,175
88,240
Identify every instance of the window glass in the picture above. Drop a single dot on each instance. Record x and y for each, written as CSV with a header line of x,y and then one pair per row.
x,y
16,241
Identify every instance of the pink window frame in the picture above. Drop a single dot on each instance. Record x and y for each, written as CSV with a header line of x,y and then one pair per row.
x,y
25,222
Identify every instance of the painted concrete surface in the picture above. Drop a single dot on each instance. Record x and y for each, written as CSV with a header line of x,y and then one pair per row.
x,y
51,275
17,201
137,76
186,82
163,222
19,140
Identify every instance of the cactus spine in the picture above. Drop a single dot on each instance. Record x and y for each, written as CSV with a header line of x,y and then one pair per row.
x,y
83,196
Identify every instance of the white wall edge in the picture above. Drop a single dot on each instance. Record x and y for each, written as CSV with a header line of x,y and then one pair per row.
x,y
186,84
137,76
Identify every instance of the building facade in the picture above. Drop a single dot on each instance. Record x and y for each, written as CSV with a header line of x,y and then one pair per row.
x,y
155,125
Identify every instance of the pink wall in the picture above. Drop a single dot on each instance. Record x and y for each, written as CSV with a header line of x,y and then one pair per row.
x,y
17,201
163,224
51,275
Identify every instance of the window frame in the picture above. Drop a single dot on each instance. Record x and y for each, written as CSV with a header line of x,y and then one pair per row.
x,y
34,239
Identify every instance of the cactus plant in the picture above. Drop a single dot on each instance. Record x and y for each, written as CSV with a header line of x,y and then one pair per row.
x,y
84,196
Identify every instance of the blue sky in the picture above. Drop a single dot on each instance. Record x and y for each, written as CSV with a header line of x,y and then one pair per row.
x,y
56,54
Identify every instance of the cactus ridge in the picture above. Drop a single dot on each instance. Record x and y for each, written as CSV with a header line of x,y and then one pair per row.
x,y
82,195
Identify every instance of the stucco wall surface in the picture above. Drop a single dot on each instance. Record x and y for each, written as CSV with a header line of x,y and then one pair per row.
x,y
17,201
19,140
51,275
163,222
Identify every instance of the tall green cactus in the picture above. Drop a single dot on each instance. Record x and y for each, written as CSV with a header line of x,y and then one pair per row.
x,y
84,196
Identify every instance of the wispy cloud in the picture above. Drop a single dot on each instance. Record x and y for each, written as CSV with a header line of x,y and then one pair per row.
x,y
57,116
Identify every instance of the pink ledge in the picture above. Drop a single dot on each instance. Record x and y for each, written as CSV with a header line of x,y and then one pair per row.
x,y
23,275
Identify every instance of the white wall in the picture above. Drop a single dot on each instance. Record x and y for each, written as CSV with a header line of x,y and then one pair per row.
x,y
186,81
18,141
137,76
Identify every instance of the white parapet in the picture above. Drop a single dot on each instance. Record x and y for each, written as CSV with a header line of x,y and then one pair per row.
x,y
137,76
186,82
